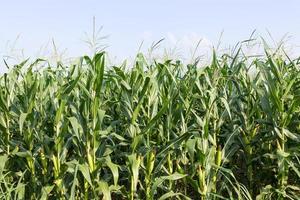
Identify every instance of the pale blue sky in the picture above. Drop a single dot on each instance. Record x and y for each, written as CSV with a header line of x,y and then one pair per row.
x,y
129,22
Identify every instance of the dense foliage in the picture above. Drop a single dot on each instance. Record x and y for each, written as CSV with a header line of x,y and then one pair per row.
x,y
156,130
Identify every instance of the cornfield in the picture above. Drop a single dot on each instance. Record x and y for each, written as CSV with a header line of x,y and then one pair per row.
x,y
156,130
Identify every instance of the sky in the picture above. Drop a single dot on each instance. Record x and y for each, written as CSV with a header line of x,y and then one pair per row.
x,y
28,28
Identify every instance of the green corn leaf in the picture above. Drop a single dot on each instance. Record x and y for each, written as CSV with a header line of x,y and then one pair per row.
x,y
142,96
84,169
114,169
103,186
157,182
22,120
46,191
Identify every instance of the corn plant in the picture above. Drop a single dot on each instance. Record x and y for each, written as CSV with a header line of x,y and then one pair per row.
x,y
159,129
